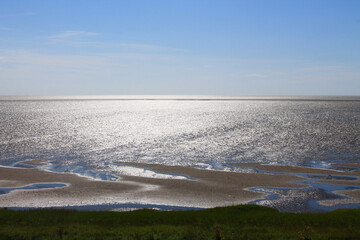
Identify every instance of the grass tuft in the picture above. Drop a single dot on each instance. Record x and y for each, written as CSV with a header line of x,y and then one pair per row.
x,y
222,223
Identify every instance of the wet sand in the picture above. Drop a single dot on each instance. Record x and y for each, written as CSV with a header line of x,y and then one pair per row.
x,y
212,188
207,188
352,195
310,171
286,169
79,190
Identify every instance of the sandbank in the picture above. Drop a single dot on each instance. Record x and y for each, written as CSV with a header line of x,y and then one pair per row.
x,y
204,188
210,189
287,169
310,171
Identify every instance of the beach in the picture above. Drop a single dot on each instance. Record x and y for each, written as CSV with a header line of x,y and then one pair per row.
x,y
201,189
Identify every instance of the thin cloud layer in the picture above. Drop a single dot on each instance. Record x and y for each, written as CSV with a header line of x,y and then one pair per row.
x,y
168,47
154,72
65,35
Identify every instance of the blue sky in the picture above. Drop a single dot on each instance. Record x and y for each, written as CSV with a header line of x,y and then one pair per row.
x,y
253,47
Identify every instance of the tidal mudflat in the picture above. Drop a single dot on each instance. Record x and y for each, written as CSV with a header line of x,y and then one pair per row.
x,y
295,189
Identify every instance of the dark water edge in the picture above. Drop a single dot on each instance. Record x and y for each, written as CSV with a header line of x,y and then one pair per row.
x,y
310,207
123,207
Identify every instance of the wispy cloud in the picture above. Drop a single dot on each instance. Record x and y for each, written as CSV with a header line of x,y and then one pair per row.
x,y
256,75
20,58
151,71
71,35
148,47
118,71
81,38
85,39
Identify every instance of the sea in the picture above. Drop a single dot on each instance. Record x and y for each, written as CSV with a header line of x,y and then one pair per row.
x,y
96,135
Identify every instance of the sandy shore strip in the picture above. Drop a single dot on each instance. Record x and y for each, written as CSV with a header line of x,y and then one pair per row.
x,y
309,171
79,190
287,169
205,188
210,189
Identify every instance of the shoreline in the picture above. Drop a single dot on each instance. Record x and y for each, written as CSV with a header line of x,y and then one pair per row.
x,y
204,189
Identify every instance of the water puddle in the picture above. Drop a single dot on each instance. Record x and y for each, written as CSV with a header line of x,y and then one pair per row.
x,y
35,186
306,199
129,170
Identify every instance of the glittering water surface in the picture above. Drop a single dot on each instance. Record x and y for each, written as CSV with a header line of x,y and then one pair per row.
x,y
92,133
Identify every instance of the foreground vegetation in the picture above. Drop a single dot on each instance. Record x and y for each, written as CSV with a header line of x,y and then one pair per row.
x,y
236,222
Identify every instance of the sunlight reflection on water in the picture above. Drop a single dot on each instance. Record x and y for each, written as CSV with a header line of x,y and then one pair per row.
x,y
95,133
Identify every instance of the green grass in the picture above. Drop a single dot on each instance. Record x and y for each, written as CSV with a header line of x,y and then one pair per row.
x,y
236,222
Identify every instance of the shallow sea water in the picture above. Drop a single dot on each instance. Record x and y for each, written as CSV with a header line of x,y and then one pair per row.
x,y
88,134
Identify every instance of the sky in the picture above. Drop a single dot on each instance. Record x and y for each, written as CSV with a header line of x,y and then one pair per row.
x,y
195,47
